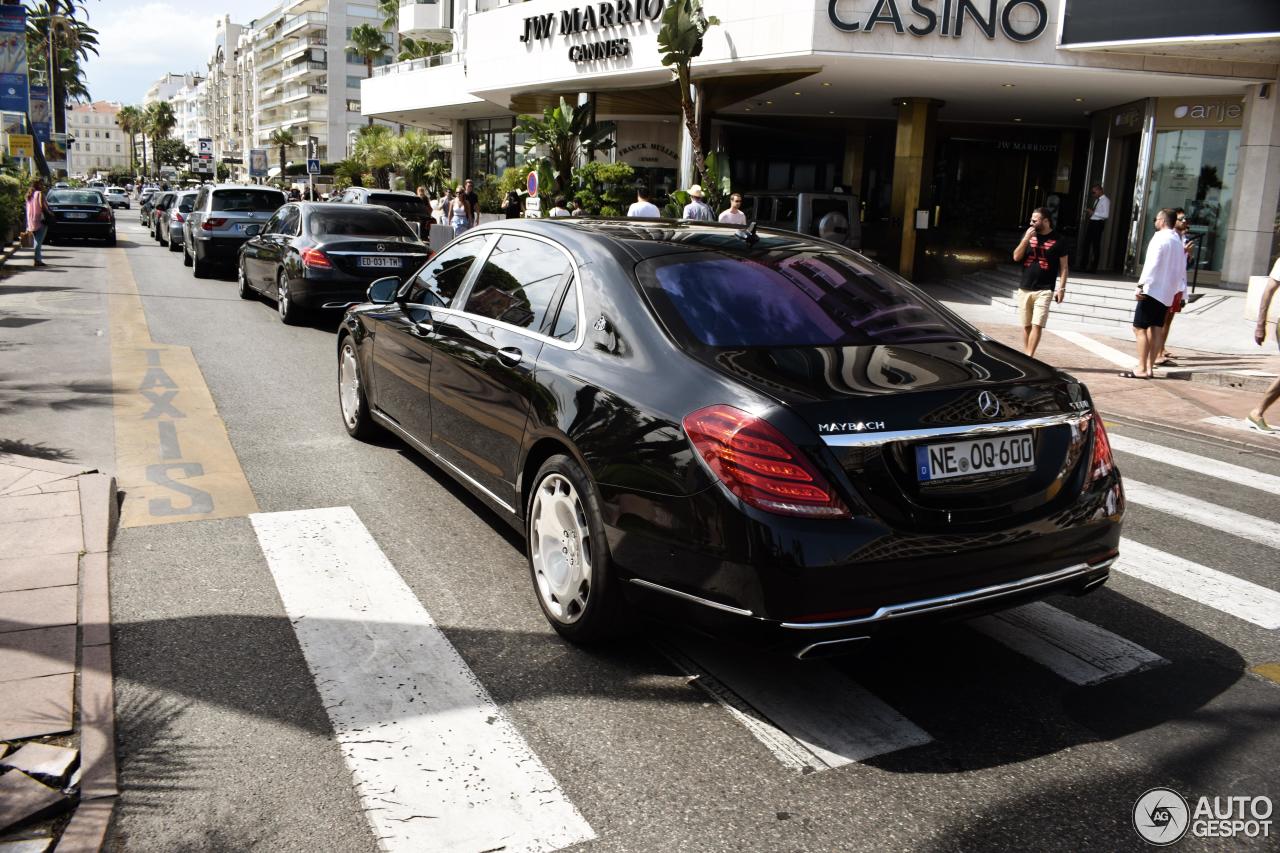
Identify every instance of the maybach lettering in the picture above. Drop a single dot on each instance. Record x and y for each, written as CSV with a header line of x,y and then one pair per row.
x,y
851,426
591,17
946,17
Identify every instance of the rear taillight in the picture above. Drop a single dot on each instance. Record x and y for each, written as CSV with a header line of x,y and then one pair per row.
x,y
315,259
1100,462
104,215
179,217
759,465
213,222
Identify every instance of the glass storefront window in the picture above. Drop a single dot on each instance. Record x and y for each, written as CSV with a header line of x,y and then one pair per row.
x,y
1196,170
491,146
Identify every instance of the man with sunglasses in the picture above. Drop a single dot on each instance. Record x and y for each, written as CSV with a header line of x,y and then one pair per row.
x,y
1163,273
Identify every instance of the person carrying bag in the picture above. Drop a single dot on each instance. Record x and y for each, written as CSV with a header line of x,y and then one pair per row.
x,y
38,217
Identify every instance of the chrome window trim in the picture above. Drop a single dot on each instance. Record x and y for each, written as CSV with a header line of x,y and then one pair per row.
x,y
421,254
945,602
737,611
875,439
521,330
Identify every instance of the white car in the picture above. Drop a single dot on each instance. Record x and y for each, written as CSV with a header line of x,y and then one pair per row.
x,y
117,197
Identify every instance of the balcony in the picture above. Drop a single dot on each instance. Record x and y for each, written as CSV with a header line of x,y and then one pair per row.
x,y
303,69
425,18
417,86
303,22
299,92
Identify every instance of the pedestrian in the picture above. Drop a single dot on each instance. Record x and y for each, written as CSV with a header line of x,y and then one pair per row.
x,y
1044,257
38,218
1180,298
1162,275
422,193
697,209
1255,420
511,207
1099,212
642,208
473,201
576,208
458,213
560,209
733,213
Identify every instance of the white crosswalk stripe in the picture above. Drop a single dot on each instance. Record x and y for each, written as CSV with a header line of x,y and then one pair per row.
x,y
437,764
1201,584
1078,651
1239,524
1199,464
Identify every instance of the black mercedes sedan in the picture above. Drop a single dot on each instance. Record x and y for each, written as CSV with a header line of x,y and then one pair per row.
x,y
762,433
314,255
81,213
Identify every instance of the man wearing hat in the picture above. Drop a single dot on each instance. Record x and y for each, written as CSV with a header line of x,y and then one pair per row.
x,y
698,209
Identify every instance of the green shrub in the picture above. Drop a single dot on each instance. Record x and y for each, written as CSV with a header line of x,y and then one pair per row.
x,y
13,194
603,188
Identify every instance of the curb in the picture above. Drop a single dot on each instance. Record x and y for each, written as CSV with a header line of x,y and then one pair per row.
x,y
1255,382
1269,451
9,251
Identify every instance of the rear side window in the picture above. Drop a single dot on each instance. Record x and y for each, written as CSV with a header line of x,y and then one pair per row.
x,y
186,204
357,222
440,279
803,299
261,201
74,197
517,283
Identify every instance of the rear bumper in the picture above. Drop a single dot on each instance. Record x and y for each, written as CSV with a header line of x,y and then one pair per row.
x,y
219,250
330,289
90,230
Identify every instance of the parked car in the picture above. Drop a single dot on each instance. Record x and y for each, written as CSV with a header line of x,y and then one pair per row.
x,y
144,205
116,197
215,228
832,216
316,255
81,213
768,436
407,204
159,210
169,226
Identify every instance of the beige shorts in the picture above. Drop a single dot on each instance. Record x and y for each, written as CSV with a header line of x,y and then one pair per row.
x,y
1033,306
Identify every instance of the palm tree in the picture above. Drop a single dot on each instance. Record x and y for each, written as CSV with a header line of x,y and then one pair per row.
x,y
376,148
411,48
160,123
414,150
367,42
130,120
282,137
679,43
566,133
73,41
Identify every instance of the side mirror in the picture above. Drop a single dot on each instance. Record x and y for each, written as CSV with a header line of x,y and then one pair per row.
x,y
383,290
253,230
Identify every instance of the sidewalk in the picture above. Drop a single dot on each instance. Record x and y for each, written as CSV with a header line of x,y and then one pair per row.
x,y
57,738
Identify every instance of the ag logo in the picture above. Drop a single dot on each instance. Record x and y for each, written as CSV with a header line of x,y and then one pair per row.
x,y
1161,816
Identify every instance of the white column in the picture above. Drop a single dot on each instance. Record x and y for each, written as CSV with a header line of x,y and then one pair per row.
x,y
459,163
1257,189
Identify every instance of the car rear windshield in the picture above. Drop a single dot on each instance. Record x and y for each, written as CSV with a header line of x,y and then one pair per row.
x,y
401,204
74,197
358,222
186,202
247,200
793,299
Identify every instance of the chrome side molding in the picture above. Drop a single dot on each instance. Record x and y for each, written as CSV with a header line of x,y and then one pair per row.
x,y
737,611
439,460
875,439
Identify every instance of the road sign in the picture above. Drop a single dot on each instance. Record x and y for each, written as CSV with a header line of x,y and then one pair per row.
x,y
313,166
313,147
204,147
532,207
533,183
22,145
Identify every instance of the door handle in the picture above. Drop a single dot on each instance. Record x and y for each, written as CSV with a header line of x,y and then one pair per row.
x,y
510,355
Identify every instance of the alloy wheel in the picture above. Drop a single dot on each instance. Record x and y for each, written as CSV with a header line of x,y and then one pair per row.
x,y
561,548
349,386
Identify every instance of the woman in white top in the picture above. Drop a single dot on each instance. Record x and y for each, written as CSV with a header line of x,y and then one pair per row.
x,y
560,209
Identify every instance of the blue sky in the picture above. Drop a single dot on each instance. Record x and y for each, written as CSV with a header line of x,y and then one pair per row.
x,y
142,39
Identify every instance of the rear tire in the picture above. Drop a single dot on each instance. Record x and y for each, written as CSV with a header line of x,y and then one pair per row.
x,y
245,290
173,247
573,575
111,241
352,401
186,256
199,268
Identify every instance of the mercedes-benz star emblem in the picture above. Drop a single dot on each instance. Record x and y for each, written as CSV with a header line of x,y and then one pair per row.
x,y
988,404
382,247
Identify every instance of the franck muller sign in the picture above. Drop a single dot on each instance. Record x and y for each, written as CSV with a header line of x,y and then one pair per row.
x,y
589,18
945,17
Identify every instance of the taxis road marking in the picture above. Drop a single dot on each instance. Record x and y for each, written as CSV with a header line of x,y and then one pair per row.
x,y
174,460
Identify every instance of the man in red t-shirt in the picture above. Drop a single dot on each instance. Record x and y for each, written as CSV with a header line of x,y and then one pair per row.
x,y
1043,256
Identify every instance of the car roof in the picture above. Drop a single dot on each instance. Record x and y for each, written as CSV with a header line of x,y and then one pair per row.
x,y
243,187
405,193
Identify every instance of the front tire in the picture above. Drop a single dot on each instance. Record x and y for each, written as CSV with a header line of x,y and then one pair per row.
x,y
173,246
351,397
186,256
569,562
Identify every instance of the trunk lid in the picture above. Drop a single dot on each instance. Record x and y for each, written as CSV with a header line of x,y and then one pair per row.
x,y
373,258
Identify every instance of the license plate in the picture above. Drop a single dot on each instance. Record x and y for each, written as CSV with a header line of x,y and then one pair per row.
x,y
77,215
1013,452
379,262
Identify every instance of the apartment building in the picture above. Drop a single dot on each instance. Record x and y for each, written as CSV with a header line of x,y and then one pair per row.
x,y
189,109
100,145
168,86
221,94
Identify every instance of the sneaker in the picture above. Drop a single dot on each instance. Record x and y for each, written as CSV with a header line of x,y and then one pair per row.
x,y
1258,423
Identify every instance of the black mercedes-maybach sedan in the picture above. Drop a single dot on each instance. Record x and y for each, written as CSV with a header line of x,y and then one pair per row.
x,y
768,433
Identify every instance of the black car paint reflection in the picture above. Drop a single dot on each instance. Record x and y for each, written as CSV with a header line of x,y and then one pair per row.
x,y
636,343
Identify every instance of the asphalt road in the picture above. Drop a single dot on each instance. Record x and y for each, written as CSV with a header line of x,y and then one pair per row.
x,y
987,739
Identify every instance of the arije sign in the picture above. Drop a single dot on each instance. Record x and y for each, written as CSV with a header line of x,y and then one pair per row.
x,y
945,18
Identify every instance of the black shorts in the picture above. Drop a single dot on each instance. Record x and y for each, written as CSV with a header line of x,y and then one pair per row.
x,y
1149,313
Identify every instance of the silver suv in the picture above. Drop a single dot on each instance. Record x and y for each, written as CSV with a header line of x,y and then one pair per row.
x,y
214,230
831,216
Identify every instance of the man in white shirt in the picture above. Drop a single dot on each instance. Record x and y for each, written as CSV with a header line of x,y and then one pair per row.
x,y
643,208
1161,278
734,215
697,209
1091,249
